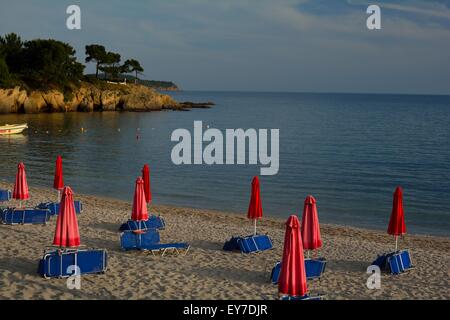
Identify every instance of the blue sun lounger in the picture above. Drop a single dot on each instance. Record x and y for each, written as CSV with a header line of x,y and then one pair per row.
x,y
163,248
153,222
255,243
53,207
148,240
64,263
400,262
24,216
5,195
314,269
394,262
131,240
249,244
275,274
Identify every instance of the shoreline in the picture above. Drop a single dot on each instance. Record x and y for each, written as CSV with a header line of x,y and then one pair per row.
x,y
233,214
208,272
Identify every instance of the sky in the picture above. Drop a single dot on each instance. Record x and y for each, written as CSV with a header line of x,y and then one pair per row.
x,y
258,45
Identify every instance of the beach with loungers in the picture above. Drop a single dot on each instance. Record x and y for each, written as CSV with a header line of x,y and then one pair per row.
x,y
207,271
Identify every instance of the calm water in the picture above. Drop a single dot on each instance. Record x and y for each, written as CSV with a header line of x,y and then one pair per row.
x,y
349,151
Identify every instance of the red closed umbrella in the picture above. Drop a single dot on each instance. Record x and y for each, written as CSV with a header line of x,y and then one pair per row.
x,y
146,178
58,181
255,206
66,233
139,212
397,225
310,225
292,280
21,186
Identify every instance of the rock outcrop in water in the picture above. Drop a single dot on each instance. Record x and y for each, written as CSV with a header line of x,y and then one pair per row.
x,y
87,98
198,105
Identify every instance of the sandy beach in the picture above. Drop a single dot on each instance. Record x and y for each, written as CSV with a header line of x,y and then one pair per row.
x,y
208,272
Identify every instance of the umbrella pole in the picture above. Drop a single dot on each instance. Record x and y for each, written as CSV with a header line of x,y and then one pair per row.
x,y
396,243
20,204
59,196
255,225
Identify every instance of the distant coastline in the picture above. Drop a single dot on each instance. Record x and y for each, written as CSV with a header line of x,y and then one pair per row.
x,y
154,84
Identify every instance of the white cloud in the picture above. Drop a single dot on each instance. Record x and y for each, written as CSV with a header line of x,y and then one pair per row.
x,y
427,8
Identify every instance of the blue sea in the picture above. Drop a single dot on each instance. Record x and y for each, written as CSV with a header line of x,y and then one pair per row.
x,y
349,151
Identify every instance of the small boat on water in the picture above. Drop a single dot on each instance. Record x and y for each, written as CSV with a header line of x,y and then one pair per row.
x,y
12,128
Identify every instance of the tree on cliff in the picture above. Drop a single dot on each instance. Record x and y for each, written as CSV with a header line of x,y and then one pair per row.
x,y
50,62
96,53
111,65
11,50
133,65
5,76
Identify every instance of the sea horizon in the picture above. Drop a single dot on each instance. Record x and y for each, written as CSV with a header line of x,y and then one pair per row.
x,y
308,92
152,210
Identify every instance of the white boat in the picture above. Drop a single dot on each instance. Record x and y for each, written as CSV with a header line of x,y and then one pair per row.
x,y
12,128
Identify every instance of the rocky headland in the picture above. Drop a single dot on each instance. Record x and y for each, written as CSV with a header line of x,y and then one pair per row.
x,y
89,98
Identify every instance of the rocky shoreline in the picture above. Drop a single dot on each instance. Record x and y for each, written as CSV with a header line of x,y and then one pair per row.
x,y
90,98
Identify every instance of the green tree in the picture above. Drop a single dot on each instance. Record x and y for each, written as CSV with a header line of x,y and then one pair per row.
x,y
5,77
11,46
111,65
132,65
96,53
51,62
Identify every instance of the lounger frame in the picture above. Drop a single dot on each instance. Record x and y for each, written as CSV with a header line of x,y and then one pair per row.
x,y
323,262
304,298
170,250
164,248
277,269
397,256
131,225
5,195
385,264
53,207
22,222
51,250
258,249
